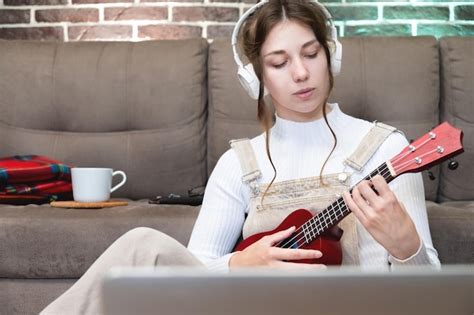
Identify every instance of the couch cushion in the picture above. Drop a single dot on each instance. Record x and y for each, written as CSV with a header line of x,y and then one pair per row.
x,y
394,80
232,113
139,107
46,242
28,296
457,104
452,231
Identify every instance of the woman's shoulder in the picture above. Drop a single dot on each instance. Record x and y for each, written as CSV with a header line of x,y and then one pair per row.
x,y
351,130
358,127
353,124
394,143
230,159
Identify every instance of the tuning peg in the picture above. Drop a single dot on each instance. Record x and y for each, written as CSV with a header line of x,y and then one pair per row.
x,y
431,175
453,164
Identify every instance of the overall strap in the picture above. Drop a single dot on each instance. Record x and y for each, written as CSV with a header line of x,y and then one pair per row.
x,y
369,144
248,162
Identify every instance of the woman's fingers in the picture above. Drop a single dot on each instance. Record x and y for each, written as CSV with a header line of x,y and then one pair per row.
x,y
272,239
367,192
381,185
294,254
354,207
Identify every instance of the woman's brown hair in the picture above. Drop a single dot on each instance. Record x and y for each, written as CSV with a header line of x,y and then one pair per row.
x,y
252,36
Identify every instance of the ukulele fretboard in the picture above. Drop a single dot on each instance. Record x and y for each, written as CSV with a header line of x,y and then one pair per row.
x,y
336,211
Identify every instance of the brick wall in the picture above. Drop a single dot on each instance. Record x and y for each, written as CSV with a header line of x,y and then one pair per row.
x,y
76,20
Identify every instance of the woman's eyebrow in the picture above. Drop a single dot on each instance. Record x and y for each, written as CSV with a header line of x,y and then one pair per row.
x,y
276,52
314,41
281,51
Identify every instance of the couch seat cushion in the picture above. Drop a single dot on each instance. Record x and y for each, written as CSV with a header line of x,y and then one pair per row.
x,y
452,231
45,242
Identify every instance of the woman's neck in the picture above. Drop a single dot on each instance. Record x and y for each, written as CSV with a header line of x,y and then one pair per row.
x,y
315,131
295,116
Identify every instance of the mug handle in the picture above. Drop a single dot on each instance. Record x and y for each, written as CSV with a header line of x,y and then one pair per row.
x,y
121,183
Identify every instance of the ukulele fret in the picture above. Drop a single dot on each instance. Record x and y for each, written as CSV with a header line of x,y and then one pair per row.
x,y
338,210
305,232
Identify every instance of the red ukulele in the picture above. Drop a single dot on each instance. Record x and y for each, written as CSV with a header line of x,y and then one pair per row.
x,y
320,231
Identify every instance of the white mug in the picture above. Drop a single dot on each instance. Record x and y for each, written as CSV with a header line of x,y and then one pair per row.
x,y
92,184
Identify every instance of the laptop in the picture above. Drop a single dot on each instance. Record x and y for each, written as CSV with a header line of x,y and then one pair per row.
x,y
354,291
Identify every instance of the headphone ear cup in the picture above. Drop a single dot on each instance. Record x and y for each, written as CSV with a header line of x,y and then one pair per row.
x,y
336,57
249,81
335,48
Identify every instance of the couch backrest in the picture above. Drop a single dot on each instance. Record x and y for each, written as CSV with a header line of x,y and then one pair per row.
x,y
457,107
389,79
138,107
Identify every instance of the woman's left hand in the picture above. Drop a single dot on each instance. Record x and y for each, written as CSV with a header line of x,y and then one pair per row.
x,y
384,217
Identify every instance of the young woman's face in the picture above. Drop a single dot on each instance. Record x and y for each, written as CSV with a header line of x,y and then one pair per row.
x,y
295,71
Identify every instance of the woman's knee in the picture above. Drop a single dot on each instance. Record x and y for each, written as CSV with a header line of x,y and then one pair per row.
x,y
163,247
146,234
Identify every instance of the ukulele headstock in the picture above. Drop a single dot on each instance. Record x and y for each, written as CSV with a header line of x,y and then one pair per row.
x,y
439,144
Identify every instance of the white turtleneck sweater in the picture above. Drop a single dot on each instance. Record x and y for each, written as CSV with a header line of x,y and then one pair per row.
x,y
299,150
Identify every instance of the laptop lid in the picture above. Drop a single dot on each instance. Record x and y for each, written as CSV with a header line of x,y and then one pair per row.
x,y
178,291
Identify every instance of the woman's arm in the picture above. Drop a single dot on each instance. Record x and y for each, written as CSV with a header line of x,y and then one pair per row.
x,y
410,192
220,223
395,215
220,220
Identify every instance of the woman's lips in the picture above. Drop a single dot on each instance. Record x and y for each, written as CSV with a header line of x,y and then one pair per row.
x,y
304,94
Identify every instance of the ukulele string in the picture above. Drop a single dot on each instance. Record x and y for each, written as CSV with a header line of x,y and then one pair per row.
x,y
398,168
432,136
316,222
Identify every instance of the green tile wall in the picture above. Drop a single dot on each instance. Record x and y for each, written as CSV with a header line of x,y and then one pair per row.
x,y
402,17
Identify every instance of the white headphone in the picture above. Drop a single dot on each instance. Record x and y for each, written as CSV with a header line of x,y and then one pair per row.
x,y
247,77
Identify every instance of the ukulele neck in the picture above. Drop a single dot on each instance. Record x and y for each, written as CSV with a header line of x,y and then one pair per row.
x,y
338,210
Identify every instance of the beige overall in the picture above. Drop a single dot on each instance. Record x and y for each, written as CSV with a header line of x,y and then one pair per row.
x,y
148,247
312,193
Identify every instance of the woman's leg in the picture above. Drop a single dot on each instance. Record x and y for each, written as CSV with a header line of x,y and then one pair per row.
x,y
138,247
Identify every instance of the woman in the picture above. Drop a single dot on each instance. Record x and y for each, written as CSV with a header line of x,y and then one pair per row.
x,y
304,160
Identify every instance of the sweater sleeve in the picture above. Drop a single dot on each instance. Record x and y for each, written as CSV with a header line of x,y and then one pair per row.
x,y
409,190
221,218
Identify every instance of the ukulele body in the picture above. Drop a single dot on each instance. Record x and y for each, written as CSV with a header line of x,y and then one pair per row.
x,y
328,243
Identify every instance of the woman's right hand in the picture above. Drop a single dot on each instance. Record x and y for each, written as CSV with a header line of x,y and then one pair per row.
x,y
263,253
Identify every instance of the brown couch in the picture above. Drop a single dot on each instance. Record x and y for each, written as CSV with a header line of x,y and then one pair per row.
x,y
164,111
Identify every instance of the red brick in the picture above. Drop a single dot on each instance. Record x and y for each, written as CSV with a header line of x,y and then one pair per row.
x,y
234,1
136,13
14,16
34,33
215,31
205,14
83,33
169,31
173,1
99,1
34,2
67,15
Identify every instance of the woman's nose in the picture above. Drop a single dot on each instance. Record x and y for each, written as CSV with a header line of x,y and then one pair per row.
x,y
300,73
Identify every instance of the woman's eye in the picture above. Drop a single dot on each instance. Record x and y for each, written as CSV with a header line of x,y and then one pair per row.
x,y
312,55
280,65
